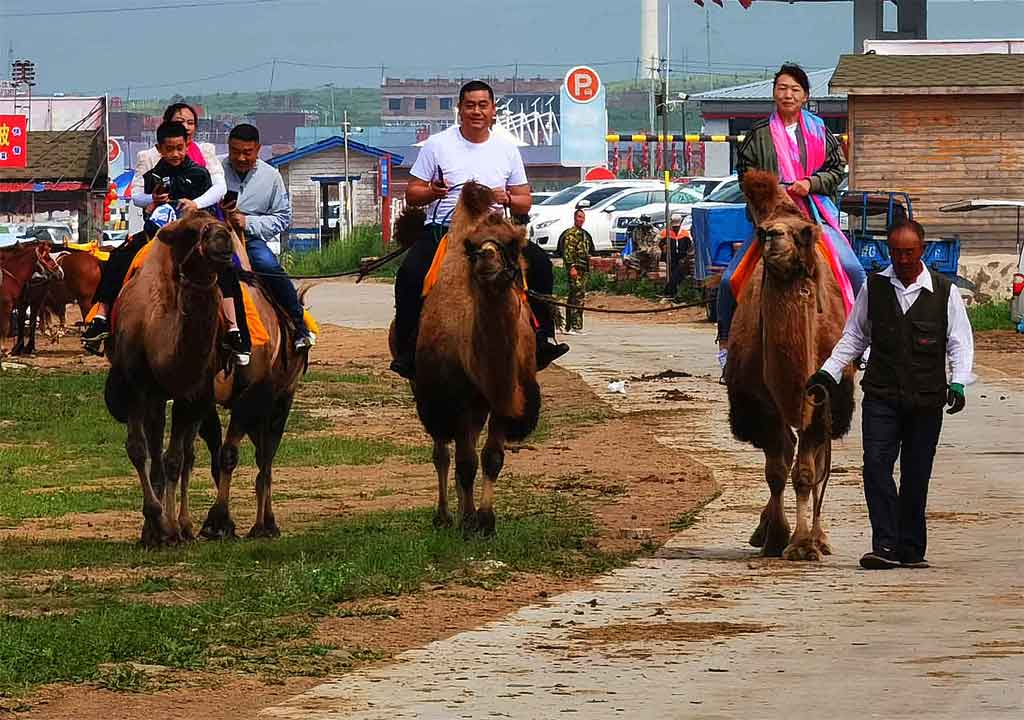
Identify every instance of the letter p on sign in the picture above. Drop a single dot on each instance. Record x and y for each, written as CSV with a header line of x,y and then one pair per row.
x,y
582,84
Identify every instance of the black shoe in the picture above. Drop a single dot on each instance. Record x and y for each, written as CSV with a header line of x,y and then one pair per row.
x,y
405,365
233,341
303,342
917,563
879,560
548,352
98,330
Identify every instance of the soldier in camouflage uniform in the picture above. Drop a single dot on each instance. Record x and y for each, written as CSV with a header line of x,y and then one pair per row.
x,y
576,243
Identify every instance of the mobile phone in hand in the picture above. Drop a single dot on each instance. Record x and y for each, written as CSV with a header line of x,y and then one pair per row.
x,y
230,198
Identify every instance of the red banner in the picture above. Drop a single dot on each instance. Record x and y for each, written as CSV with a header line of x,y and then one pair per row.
x,y
13,141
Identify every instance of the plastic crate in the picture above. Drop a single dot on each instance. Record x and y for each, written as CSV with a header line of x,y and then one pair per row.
x,y
715,229
942,255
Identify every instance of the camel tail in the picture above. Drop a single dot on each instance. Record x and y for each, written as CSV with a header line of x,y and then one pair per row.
x,y
118,395
519,428
842,406
762,191
409,226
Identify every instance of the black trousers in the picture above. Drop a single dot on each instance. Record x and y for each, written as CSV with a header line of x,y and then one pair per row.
x,y
898,516
115,270
540,276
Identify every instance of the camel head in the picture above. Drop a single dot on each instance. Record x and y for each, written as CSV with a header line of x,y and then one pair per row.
x,y
788,238
199,238
492,243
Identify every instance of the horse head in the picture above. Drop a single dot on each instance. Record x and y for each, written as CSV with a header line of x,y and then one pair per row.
x,y
788,238
200,239
46,266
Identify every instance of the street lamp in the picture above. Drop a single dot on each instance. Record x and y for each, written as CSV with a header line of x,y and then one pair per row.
x,y
334,115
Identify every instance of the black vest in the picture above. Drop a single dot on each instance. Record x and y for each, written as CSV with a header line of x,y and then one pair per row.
x,y
907,364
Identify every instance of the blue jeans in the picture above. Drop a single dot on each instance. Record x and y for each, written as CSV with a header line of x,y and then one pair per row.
x,y
263,260
727,303
898,516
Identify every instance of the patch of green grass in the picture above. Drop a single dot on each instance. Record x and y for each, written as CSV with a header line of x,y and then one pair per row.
x,y
688,518
990,316
566,422
341,255
262,598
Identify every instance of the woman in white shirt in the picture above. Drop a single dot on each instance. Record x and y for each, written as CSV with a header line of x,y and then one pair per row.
x,y
204,154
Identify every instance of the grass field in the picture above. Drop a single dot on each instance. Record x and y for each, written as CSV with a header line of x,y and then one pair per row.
x,y
80,610
990,316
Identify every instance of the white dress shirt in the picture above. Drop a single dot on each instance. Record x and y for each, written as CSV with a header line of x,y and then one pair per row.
x,y
857,333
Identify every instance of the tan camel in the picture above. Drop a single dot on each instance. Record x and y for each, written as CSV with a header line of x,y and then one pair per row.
x,y
475,354
260,397
164,347
789,317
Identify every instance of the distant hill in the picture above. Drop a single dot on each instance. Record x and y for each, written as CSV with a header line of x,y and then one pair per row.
x,y
627,102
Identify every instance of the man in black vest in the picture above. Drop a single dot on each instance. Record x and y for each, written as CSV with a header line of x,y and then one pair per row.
x,y
913,319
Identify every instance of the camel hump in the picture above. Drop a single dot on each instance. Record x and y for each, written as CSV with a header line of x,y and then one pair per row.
x,y
409,226
762,191
477,199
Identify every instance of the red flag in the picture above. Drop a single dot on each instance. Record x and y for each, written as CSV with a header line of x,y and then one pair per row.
x,y
615,159
629,159
720,3
645,155
699,2
746,4
675,157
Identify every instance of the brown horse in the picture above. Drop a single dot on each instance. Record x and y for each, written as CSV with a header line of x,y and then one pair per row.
x,y
81,276
475,354
789,317
163,347
31,303
260,397
17,265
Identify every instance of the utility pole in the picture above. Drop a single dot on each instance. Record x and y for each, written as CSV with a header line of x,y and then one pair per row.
x,y
348,178
666,67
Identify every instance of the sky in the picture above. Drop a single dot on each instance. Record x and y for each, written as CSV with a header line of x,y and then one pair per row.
x,y
159,49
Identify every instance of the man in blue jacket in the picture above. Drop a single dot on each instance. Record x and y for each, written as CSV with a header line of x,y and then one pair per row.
x,y
257,204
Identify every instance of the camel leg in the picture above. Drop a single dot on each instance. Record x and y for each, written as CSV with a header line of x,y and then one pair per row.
x,y
136,446
178,461
266,442
801,545
465,475
185,527
209,431
492,458
818,533
218,524
772,533
442,464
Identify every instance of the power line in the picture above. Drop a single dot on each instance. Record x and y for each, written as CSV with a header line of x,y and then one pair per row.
x,y
147,8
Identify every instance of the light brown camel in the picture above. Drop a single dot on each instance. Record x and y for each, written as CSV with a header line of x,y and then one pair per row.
x,y
260,397
164,347
475,354
789,317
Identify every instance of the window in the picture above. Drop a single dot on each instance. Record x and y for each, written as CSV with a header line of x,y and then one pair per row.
x,y
602,194
420,103
684,196
446,103
394,103
568,195
632,201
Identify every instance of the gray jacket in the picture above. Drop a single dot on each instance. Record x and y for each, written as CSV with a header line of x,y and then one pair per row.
x,y
262,198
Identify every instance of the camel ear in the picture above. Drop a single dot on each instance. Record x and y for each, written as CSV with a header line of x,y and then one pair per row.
x,y
477,199
762,191
409,226
807,237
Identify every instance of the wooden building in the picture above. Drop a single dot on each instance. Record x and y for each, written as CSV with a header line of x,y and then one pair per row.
x,y
315,177
942,128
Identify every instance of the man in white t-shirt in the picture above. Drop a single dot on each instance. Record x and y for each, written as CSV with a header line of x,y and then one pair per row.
x,y
464,152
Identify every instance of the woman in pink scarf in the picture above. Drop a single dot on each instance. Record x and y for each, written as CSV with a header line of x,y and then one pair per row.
x,y
204,154
795,145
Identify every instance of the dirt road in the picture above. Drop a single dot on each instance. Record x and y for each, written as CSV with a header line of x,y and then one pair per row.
x,y
709,629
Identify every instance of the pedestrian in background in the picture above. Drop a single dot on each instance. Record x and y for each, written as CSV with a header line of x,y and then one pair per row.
x,y
576,243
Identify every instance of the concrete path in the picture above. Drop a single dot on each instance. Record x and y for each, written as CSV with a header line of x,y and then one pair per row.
x,y
708,629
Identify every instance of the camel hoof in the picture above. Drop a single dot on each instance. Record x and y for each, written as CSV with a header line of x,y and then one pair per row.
x,y
775,542
187,533
265,531
485,522
218,525
442,519
823,543
802,550
757,537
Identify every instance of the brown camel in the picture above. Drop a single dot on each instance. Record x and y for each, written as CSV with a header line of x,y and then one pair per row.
x,y
260,397
17,265
164,347
789,317
475,354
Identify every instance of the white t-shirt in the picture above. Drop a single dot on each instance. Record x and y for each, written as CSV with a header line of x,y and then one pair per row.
x,y
496,163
